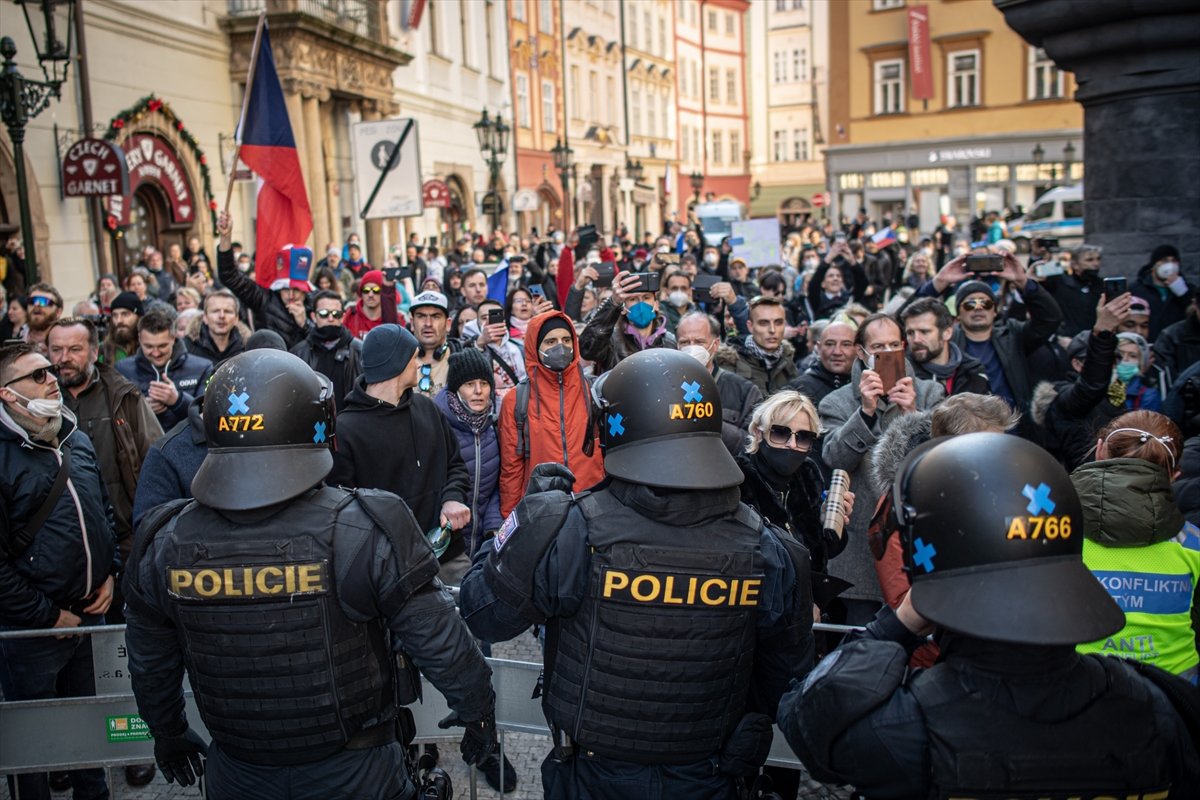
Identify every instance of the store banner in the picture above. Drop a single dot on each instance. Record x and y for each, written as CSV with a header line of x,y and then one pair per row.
x,y
920,59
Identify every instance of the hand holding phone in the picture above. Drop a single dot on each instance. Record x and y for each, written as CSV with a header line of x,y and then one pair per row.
x,y
1115,287
985,262
397,274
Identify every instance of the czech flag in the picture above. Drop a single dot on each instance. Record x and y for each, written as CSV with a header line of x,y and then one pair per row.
x,y
885,237
268,148
497,284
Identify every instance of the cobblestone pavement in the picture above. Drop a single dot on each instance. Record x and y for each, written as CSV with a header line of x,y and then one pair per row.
x,y
524,750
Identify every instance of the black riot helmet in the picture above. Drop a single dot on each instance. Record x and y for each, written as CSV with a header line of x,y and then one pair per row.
x,y
992,531
660,423
268,419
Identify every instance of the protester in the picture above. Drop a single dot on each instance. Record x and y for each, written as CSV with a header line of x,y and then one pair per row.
x,y
928,329
168,376
218,334
122,339
763,356
1178,345
494,339
699,335
834,359
430,324
1133,361
44,306
627,323
330,348
1162,286
376,305
282,307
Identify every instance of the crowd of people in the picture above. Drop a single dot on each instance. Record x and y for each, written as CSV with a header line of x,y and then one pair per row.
x,y
455,374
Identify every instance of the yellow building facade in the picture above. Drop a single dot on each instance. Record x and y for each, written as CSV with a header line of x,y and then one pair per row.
x,y
999,128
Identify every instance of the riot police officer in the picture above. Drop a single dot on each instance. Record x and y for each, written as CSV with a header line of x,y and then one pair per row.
x,y
993,535
286,600
675,617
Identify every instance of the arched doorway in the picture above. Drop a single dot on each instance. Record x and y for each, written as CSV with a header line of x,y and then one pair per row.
x,y
149,226
456,214
793,213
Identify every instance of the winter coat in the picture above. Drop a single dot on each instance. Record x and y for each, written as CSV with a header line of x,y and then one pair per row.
x,y
968,376
199,341
265,305
507,357
605,341
736,358
186,370
556,425
481,454
1077,296
64,563
408,449
360,325
1068,414
738,399
817,382
848,441
1166,307
1178,346
342,363
1187,486
122,428
171,464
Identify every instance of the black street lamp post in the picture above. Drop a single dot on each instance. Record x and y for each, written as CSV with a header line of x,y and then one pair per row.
x,y
493,144
697,184
22,99
562,162
634,169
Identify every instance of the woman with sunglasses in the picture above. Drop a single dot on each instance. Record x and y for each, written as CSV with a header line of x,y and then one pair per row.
x,y
782,481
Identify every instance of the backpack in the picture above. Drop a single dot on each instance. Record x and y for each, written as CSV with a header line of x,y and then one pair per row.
x,y
521,417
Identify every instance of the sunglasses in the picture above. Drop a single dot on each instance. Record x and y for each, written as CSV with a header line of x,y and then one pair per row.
x,y
985,304
326,313
371,289
40,300
38,375
426,382
781,435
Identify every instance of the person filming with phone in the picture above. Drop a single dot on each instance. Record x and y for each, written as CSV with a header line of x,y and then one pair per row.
x,y
626,323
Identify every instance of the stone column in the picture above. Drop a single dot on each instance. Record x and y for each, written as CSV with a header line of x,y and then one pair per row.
x,y
295,107
330,189
376,246
1139,83
316,176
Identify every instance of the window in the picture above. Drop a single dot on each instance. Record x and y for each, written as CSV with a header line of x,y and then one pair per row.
x,y
799,65
800,144
685,152
549,112
683,75
1072,209
575,90
712,21
735,147
683,10
731,92
519,10
662,37
633,29
779,141
465,12
729,27
545,16
963,80
714,85
696,87
779,71
611,96
651,116
798,5
435,44
662,109
718,152
889,86
523,101
781,5
594,96
885,5
696,152
635,110
1045,80
488,19
648,27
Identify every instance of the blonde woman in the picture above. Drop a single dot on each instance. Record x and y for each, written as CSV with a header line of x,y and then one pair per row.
x,y
782,481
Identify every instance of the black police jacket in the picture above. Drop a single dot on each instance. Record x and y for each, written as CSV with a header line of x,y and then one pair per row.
x,y
1044,722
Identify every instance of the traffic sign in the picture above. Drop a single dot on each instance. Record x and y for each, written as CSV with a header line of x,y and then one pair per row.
x,y
387,169
820,199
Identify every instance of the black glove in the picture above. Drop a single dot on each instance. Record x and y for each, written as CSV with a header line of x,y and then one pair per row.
x,y
549,477
747,748
179,756
480,738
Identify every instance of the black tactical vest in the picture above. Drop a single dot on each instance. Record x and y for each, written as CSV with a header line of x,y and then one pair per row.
x,y
655,666
981,748
281,675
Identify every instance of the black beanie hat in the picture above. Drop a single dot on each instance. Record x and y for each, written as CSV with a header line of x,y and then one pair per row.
x,y
469,365
1164,251
266,339
128,301
554,324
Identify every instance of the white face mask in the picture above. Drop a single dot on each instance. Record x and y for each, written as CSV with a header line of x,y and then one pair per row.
x,y
677,298
811,263
698,352
1167,270
664,249
710,259
49,409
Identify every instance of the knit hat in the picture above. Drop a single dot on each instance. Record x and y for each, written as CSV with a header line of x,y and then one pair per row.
x,y
1079,345
970,288
128,301
386,351
265,339
1163,251
555,323
374,276
469,365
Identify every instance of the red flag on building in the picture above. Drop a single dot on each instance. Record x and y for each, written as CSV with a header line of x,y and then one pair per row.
x,y
268,148
919,53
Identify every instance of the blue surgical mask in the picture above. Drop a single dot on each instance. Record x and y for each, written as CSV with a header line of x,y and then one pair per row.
x,y
1127,372
641,314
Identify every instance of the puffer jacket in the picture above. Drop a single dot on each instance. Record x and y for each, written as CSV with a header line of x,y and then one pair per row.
x,y
557,423
481,454
605,341
64,563
266,307
186,370
1187,486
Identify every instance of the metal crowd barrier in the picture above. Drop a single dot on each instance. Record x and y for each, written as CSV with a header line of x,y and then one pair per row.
x,y
105,730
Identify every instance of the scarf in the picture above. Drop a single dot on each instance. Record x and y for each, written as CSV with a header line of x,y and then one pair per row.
x,y
768,357
944,371
477,421
519,325
645,341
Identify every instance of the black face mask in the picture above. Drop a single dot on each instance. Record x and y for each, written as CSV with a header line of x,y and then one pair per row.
x,y
783,461
327,333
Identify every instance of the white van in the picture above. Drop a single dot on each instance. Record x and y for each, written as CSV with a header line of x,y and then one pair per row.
x,y
717,218
1058,214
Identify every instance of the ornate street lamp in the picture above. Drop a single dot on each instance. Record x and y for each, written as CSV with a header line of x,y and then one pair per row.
x,y
22,99
697,184
563,163
493,145
634,169
1068,157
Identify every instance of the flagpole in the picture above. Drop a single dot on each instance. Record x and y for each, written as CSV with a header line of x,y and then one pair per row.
x,y
237,152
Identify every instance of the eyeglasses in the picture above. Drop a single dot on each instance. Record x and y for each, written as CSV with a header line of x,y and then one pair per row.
x,y
971,305
38,375
42,300
371,289
782,435
426,382
325,313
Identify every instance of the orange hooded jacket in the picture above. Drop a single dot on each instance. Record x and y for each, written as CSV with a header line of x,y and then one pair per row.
x,y
557,422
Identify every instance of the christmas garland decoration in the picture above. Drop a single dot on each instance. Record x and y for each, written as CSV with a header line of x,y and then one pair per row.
x,y
153,105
